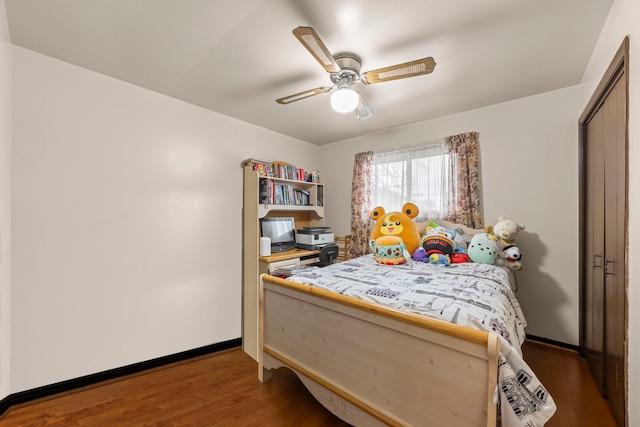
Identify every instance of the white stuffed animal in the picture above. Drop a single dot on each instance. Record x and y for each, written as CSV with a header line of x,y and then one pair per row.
x,y
505,230
510,257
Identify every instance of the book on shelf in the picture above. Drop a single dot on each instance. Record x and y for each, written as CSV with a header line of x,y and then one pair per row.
x,y
263,169
285,171
313,176
301,197
282,170
263,192
276,193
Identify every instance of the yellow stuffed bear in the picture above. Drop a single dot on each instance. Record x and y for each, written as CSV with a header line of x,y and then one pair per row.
x,y
394,233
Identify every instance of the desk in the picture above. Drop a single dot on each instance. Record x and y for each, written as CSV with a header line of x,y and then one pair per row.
x,y
291,253
292,258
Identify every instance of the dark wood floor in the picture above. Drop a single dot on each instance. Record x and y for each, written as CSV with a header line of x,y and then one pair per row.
x,y
223,390
566,376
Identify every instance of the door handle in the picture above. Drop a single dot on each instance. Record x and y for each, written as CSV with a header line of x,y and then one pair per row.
x,y
607,271
597,261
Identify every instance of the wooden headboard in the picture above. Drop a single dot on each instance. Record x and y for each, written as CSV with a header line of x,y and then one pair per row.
x,y
422,226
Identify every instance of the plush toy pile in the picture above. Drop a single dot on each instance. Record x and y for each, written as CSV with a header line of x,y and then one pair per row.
x,y
497,245
440,245
395,240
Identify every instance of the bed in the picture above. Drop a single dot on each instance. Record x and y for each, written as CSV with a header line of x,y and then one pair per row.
x,y
418,344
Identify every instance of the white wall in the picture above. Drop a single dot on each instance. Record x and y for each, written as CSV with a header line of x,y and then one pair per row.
x,y
5,204
126,221
622,21
529,172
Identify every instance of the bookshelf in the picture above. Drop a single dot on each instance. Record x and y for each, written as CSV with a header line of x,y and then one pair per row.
x,y
272,189
278,194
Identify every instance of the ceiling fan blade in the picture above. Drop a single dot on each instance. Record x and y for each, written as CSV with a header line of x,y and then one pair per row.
x,y
302,95
400,71
310,39
363,111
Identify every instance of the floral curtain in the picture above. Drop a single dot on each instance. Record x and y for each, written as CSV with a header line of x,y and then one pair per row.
x,y
464,196
361,189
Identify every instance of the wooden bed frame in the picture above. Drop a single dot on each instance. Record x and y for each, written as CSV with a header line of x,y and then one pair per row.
x,y
371,365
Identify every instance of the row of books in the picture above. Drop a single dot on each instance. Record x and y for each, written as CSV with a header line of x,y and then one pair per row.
x,y
273,193
284,171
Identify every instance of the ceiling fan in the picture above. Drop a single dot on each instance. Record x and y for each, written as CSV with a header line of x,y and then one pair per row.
x,y
344,72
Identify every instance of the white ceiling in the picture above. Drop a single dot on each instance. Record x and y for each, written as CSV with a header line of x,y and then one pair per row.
x,y
237,57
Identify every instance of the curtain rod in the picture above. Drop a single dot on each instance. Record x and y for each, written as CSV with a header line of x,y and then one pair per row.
x,y
415,147
430,143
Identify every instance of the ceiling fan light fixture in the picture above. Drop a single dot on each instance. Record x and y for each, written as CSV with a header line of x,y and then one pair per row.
x,y
344,72
363,111
317,50
344,100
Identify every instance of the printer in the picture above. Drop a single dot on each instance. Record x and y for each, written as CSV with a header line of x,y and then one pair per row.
x,y
313,238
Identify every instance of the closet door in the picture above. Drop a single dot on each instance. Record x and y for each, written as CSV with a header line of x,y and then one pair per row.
x,y
593,345
603,241
614,264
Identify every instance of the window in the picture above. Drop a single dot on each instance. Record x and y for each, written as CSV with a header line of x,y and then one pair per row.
x,y
419,175
442,178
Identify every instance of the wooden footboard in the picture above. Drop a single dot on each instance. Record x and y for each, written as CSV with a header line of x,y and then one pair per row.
x,y
369,364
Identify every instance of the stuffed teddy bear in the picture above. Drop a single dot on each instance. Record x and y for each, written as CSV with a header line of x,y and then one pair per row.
x,y
505,231
393,231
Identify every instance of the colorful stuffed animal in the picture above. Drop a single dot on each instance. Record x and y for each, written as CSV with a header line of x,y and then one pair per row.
x,y
505,230
398,224
483,249
438,240
389,250
459,241
442,241
459,255
420,255
436,258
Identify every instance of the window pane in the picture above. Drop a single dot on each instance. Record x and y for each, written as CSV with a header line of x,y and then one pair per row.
x,y
430,184
390,184
418,176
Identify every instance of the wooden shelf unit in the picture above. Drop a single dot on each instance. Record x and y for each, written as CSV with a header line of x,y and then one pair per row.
x,y
252,264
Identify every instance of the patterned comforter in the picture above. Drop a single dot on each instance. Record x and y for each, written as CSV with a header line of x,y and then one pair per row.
x,y
479,296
